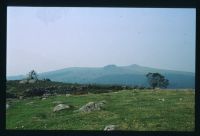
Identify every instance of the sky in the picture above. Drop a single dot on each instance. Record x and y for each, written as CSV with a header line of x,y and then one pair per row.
x,y
46,39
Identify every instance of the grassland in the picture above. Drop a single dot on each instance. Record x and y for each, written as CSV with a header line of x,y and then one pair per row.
x,y
137,110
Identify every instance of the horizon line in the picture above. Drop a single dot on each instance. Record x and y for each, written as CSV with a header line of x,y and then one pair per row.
x,y
103,67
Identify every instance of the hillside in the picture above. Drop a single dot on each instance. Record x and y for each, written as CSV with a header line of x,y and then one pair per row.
x,y
134,110
112,74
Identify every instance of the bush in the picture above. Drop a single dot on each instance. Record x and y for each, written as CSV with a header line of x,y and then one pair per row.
x,y
10,95
141,87
34,92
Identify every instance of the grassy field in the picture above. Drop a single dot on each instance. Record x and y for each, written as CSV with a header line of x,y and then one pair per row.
x,y
137,110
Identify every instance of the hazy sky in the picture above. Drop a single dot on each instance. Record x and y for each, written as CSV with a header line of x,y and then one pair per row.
x,y
46,39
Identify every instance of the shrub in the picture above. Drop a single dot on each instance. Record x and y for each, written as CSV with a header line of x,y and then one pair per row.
x,y
34,92
10,95
157,80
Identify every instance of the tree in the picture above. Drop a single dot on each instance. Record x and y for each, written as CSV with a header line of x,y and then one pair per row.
x,y
32,75
157,80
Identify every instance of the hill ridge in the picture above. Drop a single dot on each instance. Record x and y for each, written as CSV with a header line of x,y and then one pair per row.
x,y
112,74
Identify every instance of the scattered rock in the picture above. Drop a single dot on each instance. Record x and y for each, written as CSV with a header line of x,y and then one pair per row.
x,y
92,106
7,106
161,99
29,103
46,94
68,95
61,107
21,97
110,128
44,98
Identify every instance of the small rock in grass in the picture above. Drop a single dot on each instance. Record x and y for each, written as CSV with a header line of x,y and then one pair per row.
x,y
67,95
46,95
7,106
29,103
21,97
110,128
180,99
44,98
161,99
61,107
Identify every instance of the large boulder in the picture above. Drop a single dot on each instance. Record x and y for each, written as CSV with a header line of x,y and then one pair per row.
x,y
88,107
92,106
60,107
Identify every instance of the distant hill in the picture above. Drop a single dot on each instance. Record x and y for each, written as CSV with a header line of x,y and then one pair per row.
x,y
112,74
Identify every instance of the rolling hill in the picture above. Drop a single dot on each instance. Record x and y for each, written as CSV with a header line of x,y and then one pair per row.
x,y
112,74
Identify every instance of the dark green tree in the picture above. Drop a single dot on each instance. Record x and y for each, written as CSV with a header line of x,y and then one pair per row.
x,y
157,80
32,75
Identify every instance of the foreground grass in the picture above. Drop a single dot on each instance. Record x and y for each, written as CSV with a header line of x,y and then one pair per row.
x,y
129,109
